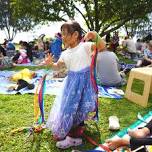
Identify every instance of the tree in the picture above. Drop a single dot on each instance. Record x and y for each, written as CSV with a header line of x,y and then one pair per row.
x,y
103,16
140,27
107,16
44,10
11,23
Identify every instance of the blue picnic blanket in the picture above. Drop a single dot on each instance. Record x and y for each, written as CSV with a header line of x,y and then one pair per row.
x,y
53,85
27,64
124,66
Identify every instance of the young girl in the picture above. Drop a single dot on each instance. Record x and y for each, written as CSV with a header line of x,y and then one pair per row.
x,y
78,96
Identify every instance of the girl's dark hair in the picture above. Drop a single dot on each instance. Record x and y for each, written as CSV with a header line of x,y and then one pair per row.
x,y
72,27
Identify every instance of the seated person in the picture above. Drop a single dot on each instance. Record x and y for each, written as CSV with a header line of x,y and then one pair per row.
x,y
10,48
136,138
5,62
22,57
115,41
147,59
23,79
130,47
10,45
3,51
56,47
107,69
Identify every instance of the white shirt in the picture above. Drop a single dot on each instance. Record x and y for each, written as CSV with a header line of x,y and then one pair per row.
x,y
77,58
130,44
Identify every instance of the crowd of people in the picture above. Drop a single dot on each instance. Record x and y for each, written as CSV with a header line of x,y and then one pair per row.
x,y
26,52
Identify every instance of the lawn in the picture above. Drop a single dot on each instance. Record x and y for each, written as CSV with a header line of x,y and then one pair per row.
x,y
17,111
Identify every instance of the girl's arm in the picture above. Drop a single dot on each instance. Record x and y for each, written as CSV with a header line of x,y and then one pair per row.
x,y
55,66
99,42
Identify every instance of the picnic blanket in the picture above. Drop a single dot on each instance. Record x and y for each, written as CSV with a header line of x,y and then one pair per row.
x,y
27,64
124,66
110,92
53,85
141,122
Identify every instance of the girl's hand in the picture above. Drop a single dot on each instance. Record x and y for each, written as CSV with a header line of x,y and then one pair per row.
x,y
90,36
48,59
99,44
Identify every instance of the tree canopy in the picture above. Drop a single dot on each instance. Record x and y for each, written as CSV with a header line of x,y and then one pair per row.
x,y
103,16
140,27
11,20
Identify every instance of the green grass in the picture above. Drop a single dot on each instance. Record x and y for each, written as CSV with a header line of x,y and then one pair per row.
x,y
17,111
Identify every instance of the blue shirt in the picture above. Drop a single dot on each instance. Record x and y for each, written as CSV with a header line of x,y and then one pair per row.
x,y
56,48
10,46
148,53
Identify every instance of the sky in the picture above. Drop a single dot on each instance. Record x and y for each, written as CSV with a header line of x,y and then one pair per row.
x,y
48,30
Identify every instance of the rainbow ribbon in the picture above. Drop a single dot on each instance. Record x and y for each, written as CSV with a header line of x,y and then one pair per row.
x,y
39,101
93,77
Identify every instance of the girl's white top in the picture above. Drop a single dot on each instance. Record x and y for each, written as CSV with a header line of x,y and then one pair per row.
x,y
77,58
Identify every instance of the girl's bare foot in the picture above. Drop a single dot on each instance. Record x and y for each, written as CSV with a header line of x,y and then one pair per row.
x,y
139,133
116,143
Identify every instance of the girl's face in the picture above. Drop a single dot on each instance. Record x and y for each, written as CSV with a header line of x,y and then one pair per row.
x,y
69,39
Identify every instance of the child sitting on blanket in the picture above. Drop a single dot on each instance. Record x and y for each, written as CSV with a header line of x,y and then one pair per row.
x,y
78,97
22,57
23,79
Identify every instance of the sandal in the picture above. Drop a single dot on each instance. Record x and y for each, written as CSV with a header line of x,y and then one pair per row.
x,y
68,142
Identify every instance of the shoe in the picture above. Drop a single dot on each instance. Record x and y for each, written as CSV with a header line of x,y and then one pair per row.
x,y
68,142
114,123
